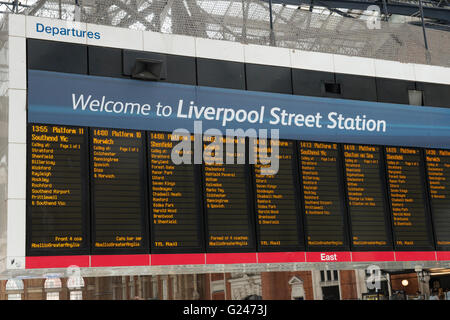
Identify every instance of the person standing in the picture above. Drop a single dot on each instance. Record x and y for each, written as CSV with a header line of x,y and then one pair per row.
x,y
447,294
434,295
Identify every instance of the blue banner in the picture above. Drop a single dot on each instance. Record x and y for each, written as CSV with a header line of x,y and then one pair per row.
x,y
80,100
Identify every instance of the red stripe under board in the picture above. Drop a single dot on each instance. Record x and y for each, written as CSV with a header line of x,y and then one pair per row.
x,y
328,256
279,257
56,262
443,255
373,256
120,260
415,256
177,259
230,258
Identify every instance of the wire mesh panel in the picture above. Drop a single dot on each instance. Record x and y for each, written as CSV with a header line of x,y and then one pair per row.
x,y
340,31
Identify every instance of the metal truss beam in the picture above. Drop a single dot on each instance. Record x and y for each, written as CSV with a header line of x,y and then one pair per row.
x,y
404,9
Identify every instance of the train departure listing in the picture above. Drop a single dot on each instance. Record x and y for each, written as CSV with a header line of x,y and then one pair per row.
x,y
118,189
278,218
366,196
322,197
407,198
113,191
438,169
226,194
175,211
57,186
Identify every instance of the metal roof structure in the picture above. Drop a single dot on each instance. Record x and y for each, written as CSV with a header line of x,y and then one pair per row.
x,y
374,29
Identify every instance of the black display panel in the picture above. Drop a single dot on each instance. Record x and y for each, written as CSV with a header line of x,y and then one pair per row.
x,y
175,201
323,198
57,196
365,188
118,191
278,214
438,173
407,196
227,197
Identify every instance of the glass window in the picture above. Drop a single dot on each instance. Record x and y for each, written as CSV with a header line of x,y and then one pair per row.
x,y
15,296
52,283
52,295
14,285
75,282
76,295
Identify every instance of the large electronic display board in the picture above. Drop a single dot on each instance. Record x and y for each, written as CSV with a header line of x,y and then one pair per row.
x,y
278,216
118,190
227,196
370,225
407,193
100,181
57,201
323,198
438,172
175,199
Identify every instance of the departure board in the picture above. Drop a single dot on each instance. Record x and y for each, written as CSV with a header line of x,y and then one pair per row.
x,y
325,221
57,190
407,189
118,187
369,220
176,213
279,223
438,172
227,196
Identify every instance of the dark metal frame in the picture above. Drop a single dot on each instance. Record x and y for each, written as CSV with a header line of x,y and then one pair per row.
x,y
436,11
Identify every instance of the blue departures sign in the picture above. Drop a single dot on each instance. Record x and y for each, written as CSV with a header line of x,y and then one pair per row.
x,y
80,100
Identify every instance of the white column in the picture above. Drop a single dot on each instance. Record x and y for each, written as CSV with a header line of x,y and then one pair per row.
x,y
195,294
317,289
361,286
16,154
124,288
